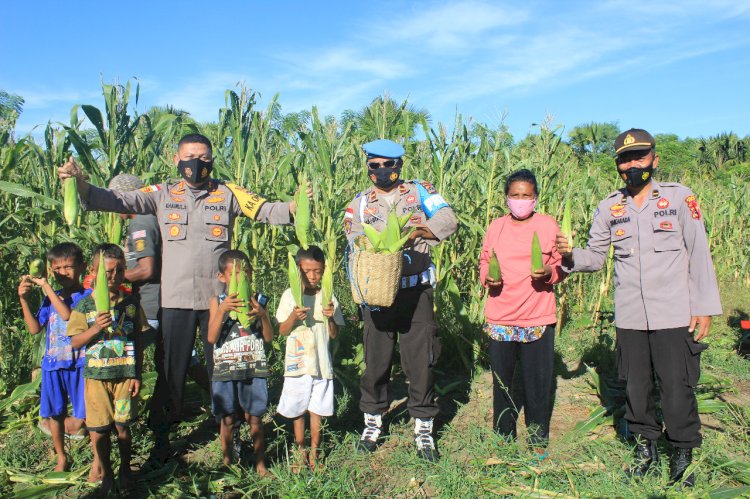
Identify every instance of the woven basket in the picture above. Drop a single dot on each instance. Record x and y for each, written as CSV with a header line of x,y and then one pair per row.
x,y
376,277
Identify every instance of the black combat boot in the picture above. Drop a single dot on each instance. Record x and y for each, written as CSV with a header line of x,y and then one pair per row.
x,y
646,457
681,459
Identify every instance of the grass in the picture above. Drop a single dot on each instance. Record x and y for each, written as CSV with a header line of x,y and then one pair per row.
x,y
475,462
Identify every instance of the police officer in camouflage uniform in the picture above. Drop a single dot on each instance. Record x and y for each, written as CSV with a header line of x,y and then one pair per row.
x,y
196,217
411,316
665,295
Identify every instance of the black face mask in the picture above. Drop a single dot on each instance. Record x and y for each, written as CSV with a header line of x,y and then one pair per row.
x,y
195,171
384,177
636,177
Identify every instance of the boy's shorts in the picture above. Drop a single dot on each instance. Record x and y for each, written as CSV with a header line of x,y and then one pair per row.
x,y
239,396
108,402
59,387
306,393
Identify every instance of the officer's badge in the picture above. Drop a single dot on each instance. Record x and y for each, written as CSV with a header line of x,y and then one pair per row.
x,y
177,199
204,172
663,203
151,188
665,225
416,219
616,207
393,177
174,231
619,232
217,218
629,139
140,245
402,189
411,199
619,213
644,175
217,231
215,199
174,216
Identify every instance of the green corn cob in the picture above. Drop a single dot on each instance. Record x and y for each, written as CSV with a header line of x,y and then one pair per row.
x,y
233,287
243,293
115,228
494,270
295,281
37,268
404,219
101,288
303,214
567,228
375,237
326,285
536,254
70,198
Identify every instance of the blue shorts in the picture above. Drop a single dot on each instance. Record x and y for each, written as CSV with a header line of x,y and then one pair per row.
x,y
238,397
59,387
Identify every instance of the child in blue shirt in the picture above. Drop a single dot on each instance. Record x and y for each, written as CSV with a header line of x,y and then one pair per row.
x,y
62,365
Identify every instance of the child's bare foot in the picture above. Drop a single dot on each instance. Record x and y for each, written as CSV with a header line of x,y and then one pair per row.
x,y
95,475
62,463
108,481
261,469
227,460
126,476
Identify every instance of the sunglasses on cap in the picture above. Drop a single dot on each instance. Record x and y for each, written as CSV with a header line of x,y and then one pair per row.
x,y
385,164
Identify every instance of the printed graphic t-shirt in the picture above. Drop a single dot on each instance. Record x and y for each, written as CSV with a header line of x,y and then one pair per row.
x,y
239,354
110,354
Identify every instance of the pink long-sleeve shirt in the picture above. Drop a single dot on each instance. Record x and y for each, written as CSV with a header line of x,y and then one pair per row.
x,y
520,300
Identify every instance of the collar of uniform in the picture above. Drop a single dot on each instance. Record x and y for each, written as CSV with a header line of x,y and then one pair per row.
x,y
372,196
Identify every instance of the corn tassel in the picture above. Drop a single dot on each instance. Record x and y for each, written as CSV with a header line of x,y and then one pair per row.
x,y
303,214
494,269
37,268
70,197
295,281
233,287
101,288
536,254
567,228
243,293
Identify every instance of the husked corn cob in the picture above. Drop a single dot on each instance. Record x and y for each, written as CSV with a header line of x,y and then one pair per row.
x,y
243,293
233,287
566,227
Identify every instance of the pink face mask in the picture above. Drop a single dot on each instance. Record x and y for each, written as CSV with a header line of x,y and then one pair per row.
x,y
521,208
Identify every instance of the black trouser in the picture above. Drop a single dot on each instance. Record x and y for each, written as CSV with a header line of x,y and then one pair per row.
x,y
412,317
537,372
667,353
174,347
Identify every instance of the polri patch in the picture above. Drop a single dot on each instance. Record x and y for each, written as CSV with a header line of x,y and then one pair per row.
x,y
217,231
174,231
140,244
662,203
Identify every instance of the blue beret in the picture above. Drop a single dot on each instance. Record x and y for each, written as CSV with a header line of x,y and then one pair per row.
x,y
383,148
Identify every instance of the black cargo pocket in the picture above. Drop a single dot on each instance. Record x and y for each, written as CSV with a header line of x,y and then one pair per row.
x,y
435,349
622,365
693,361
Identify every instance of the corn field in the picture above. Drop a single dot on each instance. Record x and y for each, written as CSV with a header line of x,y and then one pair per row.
x,y
267,152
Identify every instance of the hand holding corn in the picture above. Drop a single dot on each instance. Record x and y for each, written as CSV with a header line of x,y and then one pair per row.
x,y
230,304
256,310
542,274
308,191
562,243
103,320
328,310
299,314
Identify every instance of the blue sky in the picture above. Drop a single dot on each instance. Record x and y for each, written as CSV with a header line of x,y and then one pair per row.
x,y
668,66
